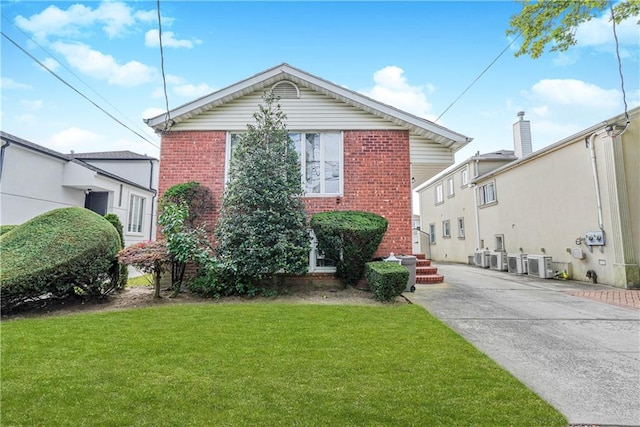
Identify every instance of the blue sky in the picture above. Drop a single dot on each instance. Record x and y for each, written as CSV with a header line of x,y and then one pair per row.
x,y
417,56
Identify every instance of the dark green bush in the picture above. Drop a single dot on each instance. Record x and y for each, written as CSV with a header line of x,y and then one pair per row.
x,y
123,271
4,229
350,238
386,280
59,253
197,198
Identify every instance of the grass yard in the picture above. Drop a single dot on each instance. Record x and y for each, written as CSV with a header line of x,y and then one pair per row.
x,y
256,364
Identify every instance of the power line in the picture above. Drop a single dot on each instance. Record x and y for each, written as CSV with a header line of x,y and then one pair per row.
x,y
72,73
76,90
478,78
164,79
624,95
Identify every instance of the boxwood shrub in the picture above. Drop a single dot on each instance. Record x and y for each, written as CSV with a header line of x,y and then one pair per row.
x,y
59,253
386,280
350,238
6,228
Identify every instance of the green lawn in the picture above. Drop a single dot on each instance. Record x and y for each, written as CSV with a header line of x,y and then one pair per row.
x,y
255,364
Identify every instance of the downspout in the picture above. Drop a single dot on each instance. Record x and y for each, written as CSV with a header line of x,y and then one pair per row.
x,y
477,214
8,143
153,198
594,167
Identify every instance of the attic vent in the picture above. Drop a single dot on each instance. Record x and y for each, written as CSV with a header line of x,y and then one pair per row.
x,y
285,90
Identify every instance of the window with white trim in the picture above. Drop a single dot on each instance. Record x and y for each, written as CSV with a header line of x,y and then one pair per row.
x,y
136,214
446,228
321,161
450,189
460,228
464,177
487,194
432,233
439,197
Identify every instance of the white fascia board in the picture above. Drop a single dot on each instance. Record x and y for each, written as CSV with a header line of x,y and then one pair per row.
x,y
415,124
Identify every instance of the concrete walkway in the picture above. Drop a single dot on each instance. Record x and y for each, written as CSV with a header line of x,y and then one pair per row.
x,y
578,353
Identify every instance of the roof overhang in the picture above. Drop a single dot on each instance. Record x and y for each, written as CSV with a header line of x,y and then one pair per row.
x,y
268,78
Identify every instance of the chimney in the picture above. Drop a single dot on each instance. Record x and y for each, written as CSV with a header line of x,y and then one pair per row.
x,y
522,136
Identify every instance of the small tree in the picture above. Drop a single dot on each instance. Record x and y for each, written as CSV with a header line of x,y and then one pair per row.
x,y
184,244
197,198
262,228
148,257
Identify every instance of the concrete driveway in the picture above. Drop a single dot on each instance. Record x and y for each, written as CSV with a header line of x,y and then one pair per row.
x,y
580,355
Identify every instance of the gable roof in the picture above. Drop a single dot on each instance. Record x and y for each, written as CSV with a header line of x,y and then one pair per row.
x,y
268,78
11,139
111,155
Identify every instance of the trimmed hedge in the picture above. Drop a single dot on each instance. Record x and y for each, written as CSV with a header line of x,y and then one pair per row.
x,y
123,270
4,229
386,280
59,252
350,238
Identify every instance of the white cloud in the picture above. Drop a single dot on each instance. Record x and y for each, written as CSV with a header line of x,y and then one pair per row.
x,y
570,92
8,83
105,67
34,105
152,112
51,63
79,140
393,88
151,39
192,91
599,32
114,17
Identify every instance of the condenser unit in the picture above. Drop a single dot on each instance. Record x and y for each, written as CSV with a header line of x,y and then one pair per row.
x,y
498,261
481,259
540,266
517,263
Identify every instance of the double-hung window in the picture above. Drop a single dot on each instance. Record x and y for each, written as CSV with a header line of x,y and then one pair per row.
x,y
464,177
321,161
136,214
439,197
450,189
487,194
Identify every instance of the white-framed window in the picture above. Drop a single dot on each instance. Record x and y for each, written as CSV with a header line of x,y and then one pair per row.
x,y
464,177
460,228
321,161
446,228
136,214
487,194
450,189
432,233
439,196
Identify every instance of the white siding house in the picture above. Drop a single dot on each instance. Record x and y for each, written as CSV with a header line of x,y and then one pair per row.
x,y
573,206
35,179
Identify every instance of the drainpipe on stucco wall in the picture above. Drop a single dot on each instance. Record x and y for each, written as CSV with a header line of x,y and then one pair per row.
x,y
477,214
596,183
8,143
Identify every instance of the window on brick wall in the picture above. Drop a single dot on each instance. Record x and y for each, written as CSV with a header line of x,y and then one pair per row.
x,y
321,162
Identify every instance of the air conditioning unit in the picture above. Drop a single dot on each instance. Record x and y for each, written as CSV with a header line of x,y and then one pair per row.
x,y
498,261
481,259
540,266
517,263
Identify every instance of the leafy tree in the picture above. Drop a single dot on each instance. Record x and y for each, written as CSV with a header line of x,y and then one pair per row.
x,y
262,228
196,197
184,243
555,22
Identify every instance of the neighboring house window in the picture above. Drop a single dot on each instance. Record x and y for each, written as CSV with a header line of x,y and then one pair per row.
x,y
320,160
446,228
439,197
450,190
432,233
460,228
464,177
487,193
136,214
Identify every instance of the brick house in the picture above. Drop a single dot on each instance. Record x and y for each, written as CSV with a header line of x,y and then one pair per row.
x,y
356,153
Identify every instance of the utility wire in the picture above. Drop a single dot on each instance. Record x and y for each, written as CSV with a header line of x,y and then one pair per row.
x,y
76,90
478,78
624,95
164,79
72,73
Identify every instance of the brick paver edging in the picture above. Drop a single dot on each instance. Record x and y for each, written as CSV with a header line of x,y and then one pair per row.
x,y
623,298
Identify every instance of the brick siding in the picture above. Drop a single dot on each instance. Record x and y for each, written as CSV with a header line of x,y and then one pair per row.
x,y
376,168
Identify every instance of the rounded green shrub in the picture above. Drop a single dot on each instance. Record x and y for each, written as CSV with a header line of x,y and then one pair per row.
x,y
386,280
6,228
123,271
350,238
197,198
59,253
